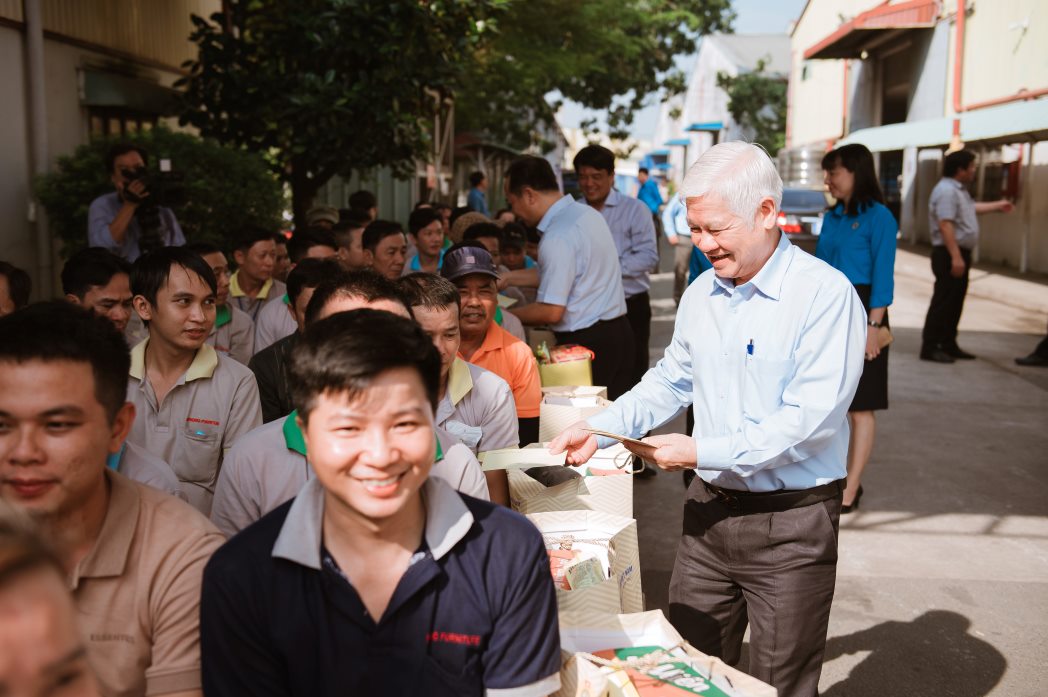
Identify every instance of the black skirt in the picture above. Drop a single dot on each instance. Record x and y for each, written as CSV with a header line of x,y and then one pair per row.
x,y
872,393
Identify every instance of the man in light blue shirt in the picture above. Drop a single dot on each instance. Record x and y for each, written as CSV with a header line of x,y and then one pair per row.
x,y
678,234
769,348
580,284
112,222
477,199
632,229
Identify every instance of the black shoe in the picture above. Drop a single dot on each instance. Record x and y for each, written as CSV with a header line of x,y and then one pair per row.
x,y
854,506
958,353
937,355
1034,359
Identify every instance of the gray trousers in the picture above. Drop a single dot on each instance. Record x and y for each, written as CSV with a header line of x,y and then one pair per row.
x,y
681,260
774,571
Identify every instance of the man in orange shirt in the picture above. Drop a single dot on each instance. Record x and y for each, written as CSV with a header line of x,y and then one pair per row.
x,y
470,267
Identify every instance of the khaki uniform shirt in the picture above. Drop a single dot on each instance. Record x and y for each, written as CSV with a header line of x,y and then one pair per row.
x,y
274,323
214,403
233,334
137,592
478,409
268,467
270,292
145,468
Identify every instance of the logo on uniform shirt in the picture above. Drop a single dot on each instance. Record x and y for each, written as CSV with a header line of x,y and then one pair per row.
x,y
209,422
453,638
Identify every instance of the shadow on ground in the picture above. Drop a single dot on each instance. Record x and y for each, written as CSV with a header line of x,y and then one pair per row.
x,y
934,655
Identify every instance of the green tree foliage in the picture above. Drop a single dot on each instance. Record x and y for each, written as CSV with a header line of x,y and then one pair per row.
x,y
757,102
604,54
328,87
221,184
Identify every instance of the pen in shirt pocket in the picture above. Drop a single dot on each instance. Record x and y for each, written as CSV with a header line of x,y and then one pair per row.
x,y
749,348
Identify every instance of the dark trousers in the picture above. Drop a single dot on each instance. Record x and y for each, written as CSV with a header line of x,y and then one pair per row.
x,y
944,311
612,343
638,312
774,571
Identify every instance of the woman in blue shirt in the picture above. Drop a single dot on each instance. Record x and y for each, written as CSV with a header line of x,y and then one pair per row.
x,y
858,239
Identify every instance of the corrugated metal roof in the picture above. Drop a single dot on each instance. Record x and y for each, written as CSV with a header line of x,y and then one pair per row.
x,y
746,49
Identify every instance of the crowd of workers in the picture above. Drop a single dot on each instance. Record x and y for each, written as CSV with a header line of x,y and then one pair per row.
x,y
266,481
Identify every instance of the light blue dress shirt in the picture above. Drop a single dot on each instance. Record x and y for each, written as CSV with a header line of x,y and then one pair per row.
x,y
773,416
862,247
579,266
103,211
633,230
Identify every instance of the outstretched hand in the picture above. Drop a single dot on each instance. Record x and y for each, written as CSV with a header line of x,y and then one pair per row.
x,y
577,442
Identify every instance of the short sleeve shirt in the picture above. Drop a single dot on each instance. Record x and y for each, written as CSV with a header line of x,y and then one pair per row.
x,y
103,212
212,405
580,266
475,612
951,201
478,409
272,291
137,592
511,359
233,334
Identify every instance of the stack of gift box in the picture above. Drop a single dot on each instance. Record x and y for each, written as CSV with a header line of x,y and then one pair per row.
x,y
611,646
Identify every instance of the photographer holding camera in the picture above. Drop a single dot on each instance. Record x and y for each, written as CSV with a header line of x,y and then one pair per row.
x,y
131,221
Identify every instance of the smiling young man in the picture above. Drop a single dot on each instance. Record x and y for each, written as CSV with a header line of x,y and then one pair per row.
x,y
427,231
376,578
253,285
133,556
268,466
192,401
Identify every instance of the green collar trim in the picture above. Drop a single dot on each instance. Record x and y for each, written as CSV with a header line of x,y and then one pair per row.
x,y
498,316
223,315
293,437
286,299
295,441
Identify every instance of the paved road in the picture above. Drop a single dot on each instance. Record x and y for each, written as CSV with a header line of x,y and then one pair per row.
x,y
943,574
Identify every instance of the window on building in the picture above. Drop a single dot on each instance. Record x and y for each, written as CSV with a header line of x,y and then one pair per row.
x,y
118,121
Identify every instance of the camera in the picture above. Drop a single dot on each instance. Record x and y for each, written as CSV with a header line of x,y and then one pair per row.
x,y
163,188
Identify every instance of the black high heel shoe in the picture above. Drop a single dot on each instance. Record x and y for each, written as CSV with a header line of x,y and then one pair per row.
x,y
854,506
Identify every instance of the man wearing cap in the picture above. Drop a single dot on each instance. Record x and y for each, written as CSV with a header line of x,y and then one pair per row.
x,y
269,466
632,229
484,342
580,288
323,217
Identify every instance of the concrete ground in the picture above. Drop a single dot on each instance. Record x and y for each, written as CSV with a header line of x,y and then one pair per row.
x,y
943,574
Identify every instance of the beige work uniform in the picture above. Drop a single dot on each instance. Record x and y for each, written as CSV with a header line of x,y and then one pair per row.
x,y
214,403
233,334
268,467
137,592
145,468
478,409
273,324
271,291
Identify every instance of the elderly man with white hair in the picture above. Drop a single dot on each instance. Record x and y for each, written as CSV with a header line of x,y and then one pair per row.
x,y
768,347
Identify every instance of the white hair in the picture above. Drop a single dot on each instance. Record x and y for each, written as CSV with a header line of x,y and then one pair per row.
x,y
740,173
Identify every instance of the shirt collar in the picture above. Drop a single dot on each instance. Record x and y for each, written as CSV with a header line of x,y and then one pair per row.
x,y
108,556
447,522
553,211
460,380
293,438
223,314
237,292
493,340
768,281
203,365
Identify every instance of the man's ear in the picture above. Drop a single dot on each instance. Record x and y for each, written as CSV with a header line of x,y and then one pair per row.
x,y
369,257
72,298
767,214
121,426
142,307
238,257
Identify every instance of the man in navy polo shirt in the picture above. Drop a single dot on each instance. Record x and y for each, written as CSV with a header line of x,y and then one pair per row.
x,y
377,580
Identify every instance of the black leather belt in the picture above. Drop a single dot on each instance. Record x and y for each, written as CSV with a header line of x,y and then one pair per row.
x,y
772,501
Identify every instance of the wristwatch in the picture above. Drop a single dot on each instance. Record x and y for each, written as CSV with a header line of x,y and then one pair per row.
x,y
873,324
